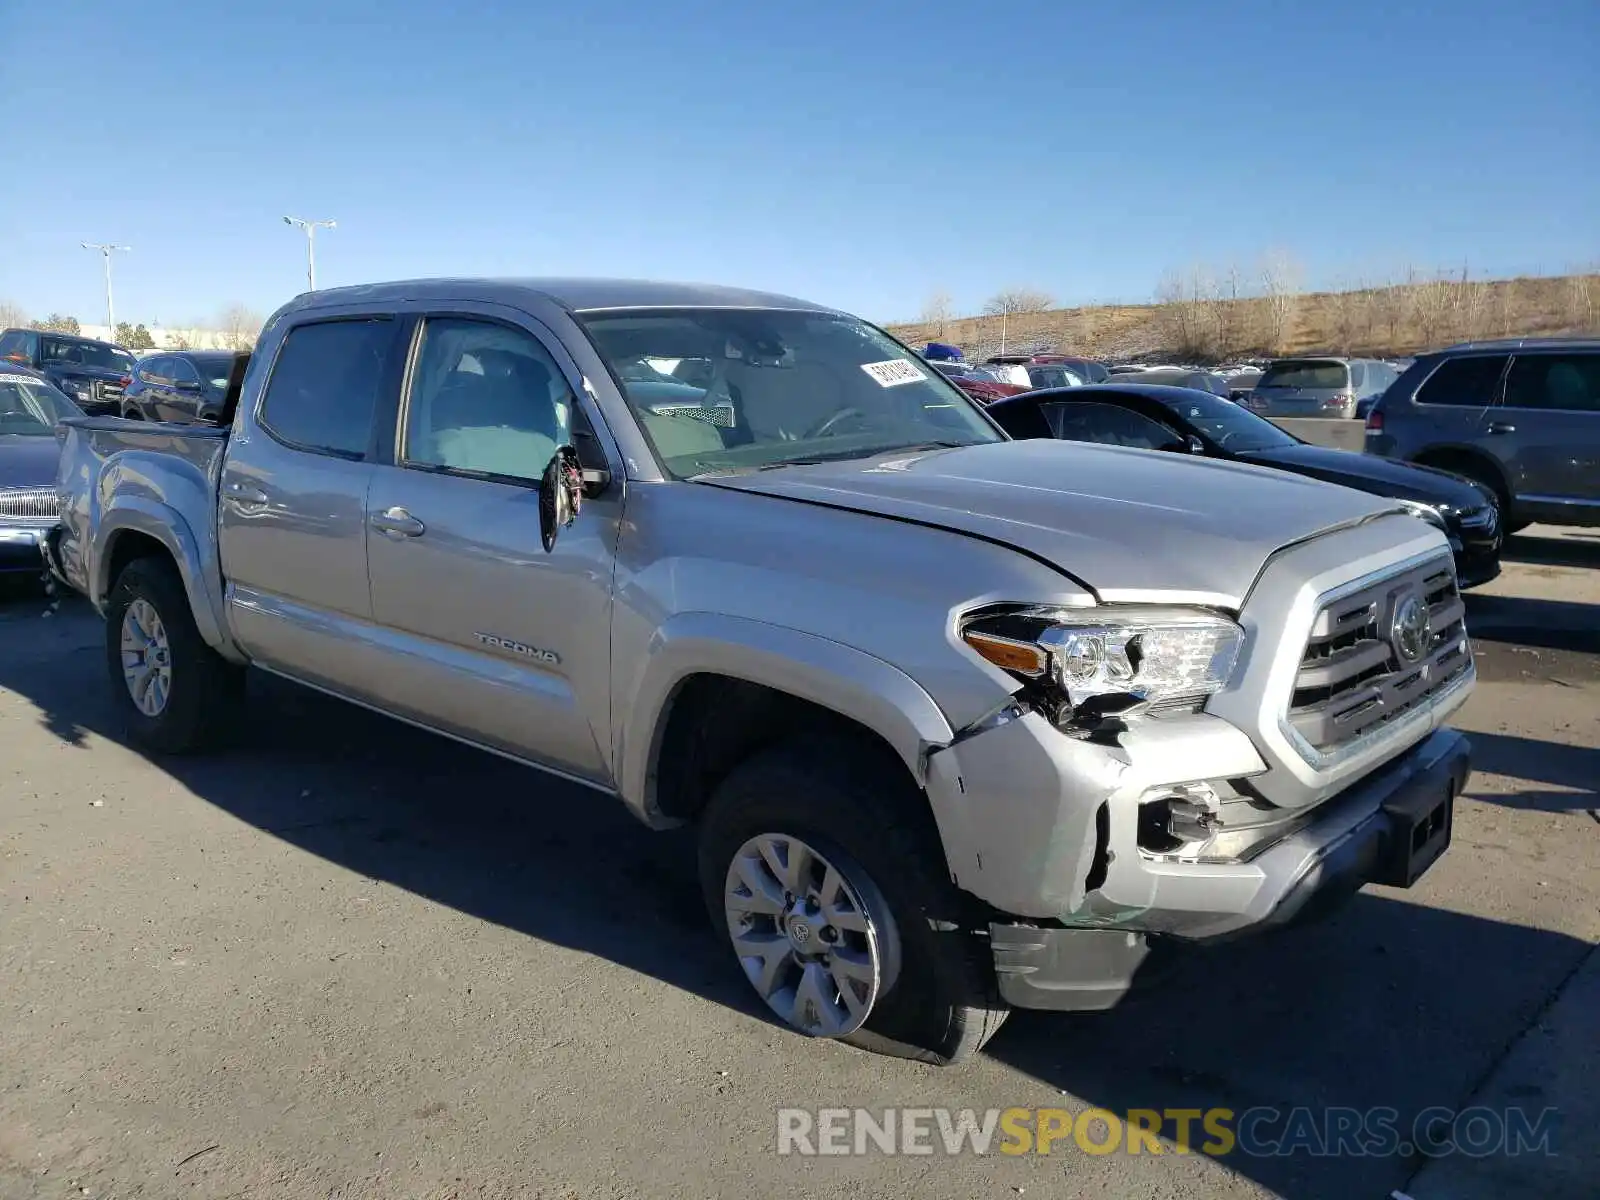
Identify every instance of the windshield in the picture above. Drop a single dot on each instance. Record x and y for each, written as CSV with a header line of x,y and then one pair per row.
x,y
85,354
1228,425
32,407
751,388
1306,375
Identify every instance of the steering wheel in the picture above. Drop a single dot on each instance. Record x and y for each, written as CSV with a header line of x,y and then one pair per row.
x,y
822,427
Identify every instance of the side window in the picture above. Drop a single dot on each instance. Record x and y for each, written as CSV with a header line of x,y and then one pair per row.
x,y
154,370
181,370
1563,382
1108,425
324,386
485,399
13,346
1470,382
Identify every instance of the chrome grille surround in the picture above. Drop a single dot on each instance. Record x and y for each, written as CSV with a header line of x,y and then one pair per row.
x,y
1363,669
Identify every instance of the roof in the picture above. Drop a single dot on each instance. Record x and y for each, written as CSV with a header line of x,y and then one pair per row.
x,y
576,295
1527,343
1150,391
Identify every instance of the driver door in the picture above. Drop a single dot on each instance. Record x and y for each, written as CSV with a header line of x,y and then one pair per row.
x,y
493,638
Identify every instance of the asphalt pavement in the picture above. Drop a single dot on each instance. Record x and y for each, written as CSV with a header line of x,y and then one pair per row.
x,y
343,958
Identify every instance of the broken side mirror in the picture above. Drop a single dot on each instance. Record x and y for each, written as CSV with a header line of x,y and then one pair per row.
x,y
591,461
560,495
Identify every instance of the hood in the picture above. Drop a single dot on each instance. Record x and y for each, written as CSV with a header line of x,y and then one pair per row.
x,y
80,371
1370,473
27,461
1131,525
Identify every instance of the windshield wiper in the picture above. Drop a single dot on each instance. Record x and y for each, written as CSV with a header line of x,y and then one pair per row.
x,y
812,460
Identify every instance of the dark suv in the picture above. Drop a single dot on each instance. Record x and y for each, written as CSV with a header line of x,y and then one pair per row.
x,y
186,386
92,373
1521,416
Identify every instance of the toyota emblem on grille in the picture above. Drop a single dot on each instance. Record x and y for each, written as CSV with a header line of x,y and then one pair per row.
x,y
1410,631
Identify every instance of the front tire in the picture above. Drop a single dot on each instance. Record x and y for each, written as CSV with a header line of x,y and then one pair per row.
x,y
889,955
175,693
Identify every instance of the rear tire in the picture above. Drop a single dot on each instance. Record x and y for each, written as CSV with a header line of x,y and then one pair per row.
x,y
936,997
175,693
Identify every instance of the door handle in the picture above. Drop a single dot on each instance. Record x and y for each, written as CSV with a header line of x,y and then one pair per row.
x,y
397,522
246,494
1501,427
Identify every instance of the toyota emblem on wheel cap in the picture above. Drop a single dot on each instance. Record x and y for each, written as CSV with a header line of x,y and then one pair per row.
x,y
1411,628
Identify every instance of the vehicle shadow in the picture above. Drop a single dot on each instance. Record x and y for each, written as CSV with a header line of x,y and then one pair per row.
x,y
1581,548
1566,625
1553,763
1387,1003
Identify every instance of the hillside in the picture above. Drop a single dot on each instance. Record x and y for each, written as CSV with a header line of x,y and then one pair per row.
x,y
1193,324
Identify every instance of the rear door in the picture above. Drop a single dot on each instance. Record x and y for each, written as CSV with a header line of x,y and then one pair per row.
x,y
179,399
294,502
495,639
1457,405
1551,421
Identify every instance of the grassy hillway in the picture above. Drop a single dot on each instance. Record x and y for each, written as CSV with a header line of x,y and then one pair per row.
x,y
1195,322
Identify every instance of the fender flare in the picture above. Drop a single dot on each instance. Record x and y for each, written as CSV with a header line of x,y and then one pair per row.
x,y
166,525
835,676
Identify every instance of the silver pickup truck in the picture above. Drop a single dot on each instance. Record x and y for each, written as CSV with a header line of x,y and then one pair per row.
x,y
962,723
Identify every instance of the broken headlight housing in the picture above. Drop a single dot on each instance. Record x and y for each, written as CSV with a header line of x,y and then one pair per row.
x,y
1085,665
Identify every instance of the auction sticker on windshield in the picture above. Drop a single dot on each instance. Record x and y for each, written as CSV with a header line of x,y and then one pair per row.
x,y
893,373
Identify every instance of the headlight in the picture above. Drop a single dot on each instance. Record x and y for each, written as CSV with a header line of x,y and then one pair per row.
x,y
1428,512
1089,663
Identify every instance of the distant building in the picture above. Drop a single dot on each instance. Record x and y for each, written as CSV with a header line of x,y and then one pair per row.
x,y
165,338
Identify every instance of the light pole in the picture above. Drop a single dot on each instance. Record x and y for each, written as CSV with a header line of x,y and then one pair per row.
x,y
105,253
311,228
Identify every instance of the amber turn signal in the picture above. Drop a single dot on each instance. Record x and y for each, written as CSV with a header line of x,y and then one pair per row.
x,y
1024,658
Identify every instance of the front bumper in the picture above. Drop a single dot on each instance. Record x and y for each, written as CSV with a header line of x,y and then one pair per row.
x,y
1387,829
21,549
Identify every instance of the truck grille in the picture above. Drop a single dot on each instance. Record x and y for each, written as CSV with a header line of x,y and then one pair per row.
x,y
30,505
105,389
1379,652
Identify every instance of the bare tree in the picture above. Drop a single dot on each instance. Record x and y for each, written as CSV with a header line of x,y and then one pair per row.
x,y
240,327
1015,301
1186,314
1232,312
1578,300
936,313
12,316
1472,303
1280,290
1431,301
1344,314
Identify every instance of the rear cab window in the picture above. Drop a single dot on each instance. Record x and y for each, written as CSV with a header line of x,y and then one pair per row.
x,y
1307,373
1471,381
324,386
1554,382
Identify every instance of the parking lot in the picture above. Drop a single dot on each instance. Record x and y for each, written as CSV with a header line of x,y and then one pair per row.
x,y
349,959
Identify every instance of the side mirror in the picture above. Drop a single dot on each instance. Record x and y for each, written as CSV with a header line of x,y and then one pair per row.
x,y
591,462
1194,445
560,495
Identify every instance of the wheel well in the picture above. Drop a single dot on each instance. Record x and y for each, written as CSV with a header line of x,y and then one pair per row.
x,y
128,546
1468,462
716,722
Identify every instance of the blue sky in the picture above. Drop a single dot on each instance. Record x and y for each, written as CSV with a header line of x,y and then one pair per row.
x,y
862,154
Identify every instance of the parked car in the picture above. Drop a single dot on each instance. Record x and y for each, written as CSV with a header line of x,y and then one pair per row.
x,y
31,410
1183,377
1242,383
93,374
1153,417
981,386
1318,387
181,385
1087,370
1520,416
961,723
